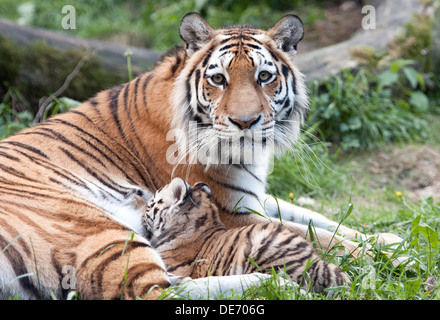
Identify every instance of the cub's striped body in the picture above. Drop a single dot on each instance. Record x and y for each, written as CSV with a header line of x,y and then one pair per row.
x,y
185,229
72,188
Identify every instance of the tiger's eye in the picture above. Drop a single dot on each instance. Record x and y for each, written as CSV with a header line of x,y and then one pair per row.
x,y
264,76
218,79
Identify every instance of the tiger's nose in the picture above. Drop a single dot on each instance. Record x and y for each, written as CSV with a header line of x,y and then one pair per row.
x,y
244,124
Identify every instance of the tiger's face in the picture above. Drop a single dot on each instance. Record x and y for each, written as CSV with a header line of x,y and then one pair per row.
x,y
179,210
239,92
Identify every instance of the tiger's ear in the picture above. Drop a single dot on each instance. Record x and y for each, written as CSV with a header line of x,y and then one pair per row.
x,y
287,33
195,31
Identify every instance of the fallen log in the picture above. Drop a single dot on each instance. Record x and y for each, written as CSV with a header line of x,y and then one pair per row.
x,y
111,55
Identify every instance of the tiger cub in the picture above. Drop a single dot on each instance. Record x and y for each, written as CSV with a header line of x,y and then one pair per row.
x,y
185,228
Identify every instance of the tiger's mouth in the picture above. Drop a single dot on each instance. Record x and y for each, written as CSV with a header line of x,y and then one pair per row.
x,y
223,146
219,144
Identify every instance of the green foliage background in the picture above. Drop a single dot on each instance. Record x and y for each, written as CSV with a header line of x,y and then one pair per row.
x,y
153,24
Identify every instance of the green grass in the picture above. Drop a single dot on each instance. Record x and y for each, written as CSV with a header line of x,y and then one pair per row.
x,y
12,121
373,274
376,210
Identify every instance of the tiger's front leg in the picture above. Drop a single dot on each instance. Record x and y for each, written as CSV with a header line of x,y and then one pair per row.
x,y
327,239
299,218
125,268
294,213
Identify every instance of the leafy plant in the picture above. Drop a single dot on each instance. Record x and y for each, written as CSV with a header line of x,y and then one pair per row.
x,y
361,110
59,105
12,121
416,41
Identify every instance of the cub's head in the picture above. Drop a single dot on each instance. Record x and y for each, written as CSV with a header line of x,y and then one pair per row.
x,y
239,92
179,210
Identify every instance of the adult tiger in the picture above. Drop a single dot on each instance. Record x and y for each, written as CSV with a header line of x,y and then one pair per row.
x,y
68,186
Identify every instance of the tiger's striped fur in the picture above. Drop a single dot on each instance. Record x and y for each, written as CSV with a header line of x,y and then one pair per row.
x,y
69,187
185,229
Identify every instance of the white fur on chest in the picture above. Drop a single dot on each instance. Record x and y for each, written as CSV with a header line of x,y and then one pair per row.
x,y
125,209
252,181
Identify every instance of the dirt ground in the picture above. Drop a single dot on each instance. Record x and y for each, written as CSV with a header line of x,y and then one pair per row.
x,y
413,170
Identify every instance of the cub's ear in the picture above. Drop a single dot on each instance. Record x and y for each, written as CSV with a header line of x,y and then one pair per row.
x,y
179,189
204,187
195,31
287,33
